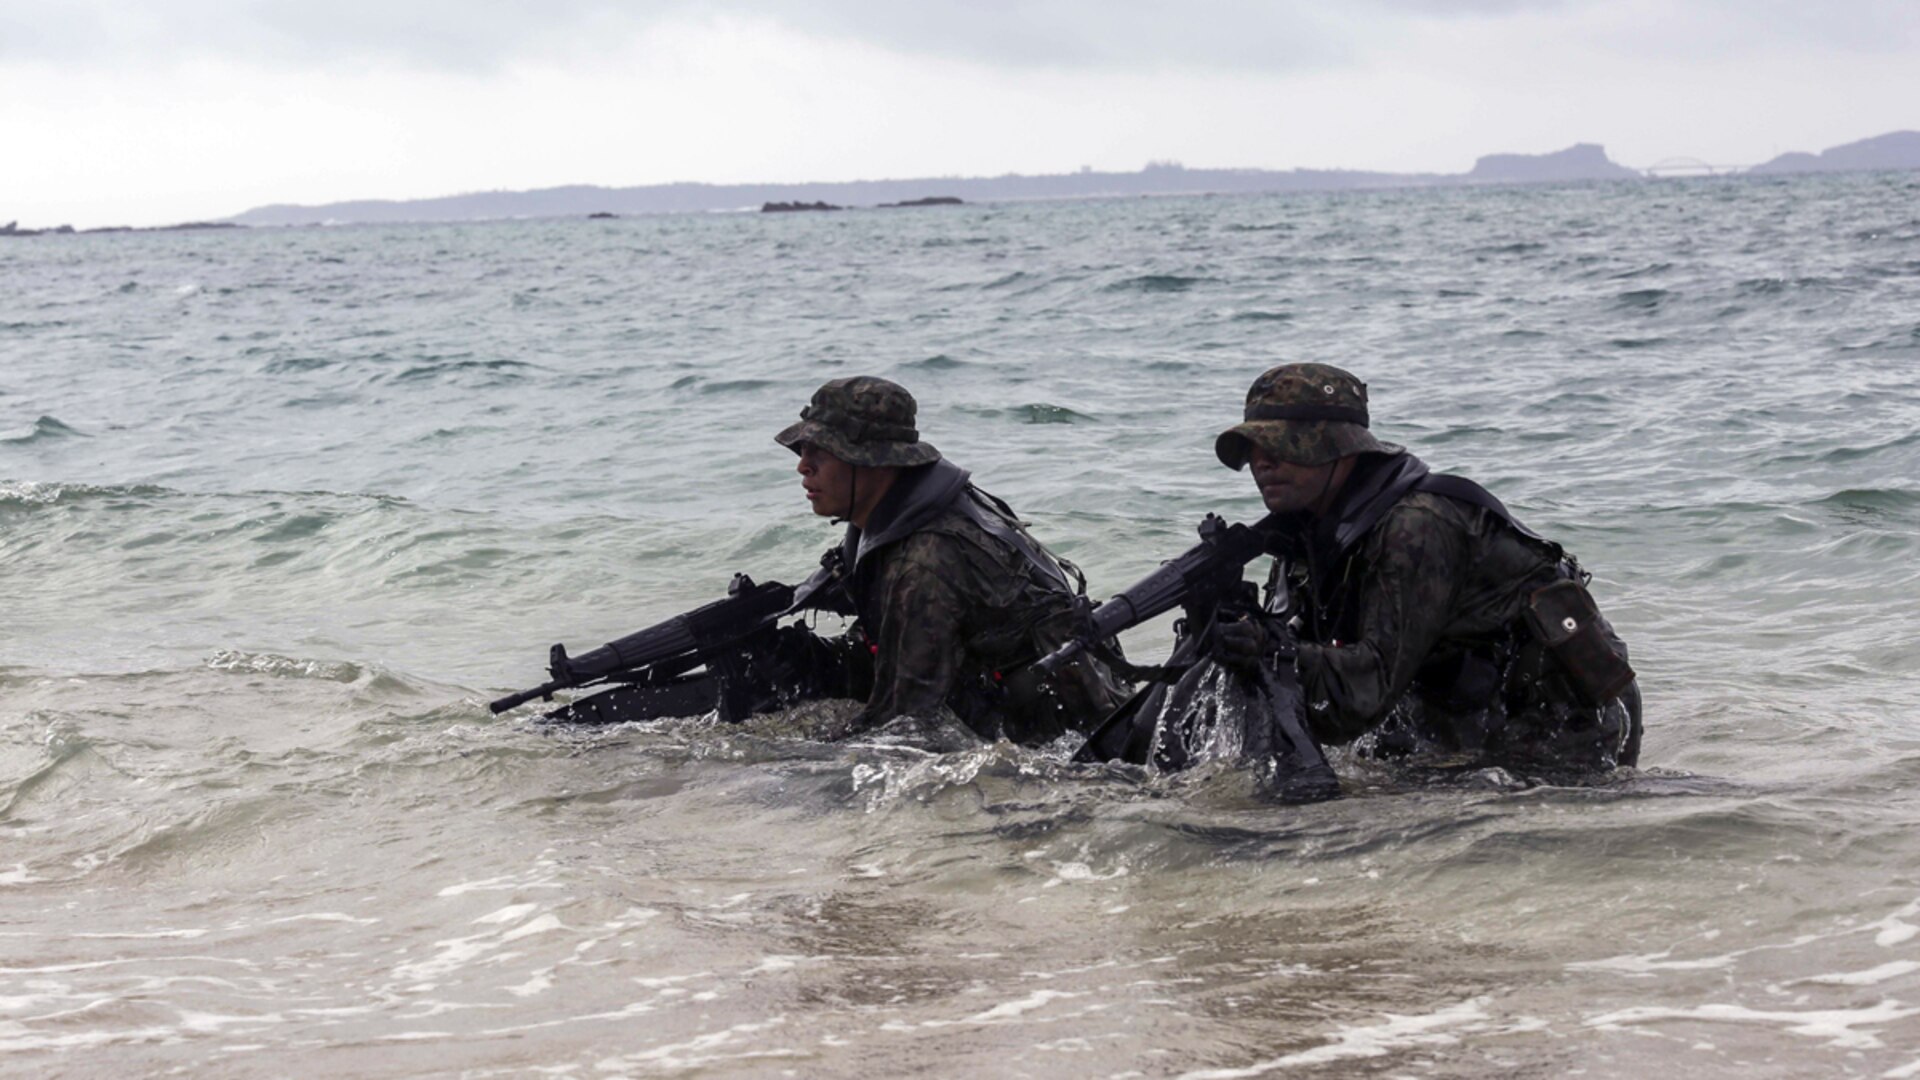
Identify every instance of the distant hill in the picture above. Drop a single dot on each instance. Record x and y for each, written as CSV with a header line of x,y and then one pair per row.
x,y
1584,161
1895,150
1581,161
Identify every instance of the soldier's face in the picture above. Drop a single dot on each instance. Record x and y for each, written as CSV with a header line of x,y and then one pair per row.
x,y
1287,488
827,480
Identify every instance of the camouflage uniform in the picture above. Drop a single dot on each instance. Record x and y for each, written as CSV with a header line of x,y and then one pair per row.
x,y
954,597
1409,595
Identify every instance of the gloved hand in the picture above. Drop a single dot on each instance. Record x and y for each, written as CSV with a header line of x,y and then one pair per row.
x,y
1240,643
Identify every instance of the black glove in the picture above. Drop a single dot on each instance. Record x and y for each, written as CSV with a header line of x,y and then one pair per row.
x,y
1240,643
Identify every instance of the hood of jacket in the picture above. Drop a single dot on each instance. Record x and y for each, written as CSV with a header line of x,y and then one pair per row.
x,y
1378,482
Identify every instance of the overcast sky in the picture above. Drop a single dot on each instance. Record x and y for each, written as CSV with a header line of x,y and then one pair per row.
x,y
116,112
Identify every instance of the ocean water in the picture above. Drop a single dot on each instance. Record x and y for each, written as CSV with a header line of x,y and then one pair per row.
x,y
281,510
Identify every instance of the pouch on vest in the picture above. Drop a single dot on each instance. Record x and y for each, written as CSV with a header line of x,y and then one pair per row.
x,y
1567,621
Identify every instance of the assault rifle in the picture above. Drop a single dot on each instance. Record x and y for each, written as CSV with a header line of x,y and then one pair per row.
x,y
724,655
1194,579
1178,718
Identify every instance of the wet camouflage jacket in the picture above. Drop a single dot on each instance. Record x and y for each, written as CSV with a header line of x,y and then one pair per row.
x,y
952,614
1411,629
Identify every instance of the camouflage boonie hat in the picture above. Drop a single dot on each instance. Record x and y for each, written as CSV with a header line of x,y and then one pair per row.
x,y
863,420
1303,414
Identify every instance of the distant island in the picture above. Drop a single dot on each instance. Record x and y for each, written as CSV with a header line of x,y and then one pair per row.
x,y
1895,150
1579,162
790,207
793,207
12,228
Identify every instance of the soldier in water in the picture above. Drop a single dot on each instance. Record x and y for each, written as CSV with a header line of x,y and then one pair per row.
x,y
1428,619
954,598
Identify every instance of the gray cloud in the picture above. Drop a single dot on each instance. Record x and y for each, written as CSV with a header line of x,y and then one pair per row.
x,y
481,34
477,35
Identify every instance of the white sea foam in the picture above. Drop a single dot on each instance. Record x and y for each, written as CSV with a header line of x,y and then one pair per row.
x,y
1066,872
1010,1010
19,875
29,491
655,982
1836,1026
320,916
540,983
15,1039
541,925
1895,932
1649,963
505,883
1890,930
455,953
1373,1040
702,1050
770,964
132,935
511,913
96,965
1872,976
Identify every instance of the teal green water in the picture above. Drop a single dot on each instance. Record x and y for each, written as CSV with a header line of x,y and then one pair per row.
x,y
280,510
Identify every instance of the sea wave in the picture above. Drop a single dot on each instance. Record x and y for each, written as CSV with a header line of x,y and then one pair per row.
x,y
44,429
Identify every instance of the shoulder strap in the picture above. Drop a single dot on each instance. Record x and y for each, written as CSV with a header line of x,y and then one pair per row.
x,y
999,521
1461,489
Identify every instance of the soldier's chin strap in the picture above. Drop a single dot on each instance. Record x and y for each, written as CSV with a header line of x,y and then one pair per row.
x,y
853,495
1320,501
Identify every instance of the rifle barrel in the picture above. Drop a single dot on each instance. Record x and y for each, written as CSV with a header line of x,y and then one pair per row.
x,y
514,701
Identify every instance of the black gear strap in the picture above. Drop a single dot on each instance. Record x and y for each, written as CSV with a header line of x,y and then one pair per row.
x,y
1466,491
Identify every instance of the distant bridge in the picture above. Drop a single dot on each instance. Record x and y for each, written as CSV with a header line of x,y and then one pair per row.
x,y
1685,166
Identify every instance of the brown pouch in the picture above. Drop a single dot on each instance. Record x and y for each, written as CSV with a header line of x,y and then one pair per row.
x,y
1567,621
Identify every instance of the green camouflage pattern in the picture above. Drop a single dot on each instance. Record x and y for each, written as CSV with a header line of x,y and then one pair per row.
x,y
1300,442
862,420
1416,641
955,616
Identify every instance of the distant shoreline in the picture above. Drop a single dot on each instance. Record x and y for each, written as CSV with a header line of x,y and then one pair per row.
x,y
1581,162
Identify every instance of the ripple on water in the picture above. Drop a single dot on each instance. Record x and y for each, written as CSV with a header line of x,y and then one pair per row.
x,y
1870,504
735,386
937,362
1159,283
1643,299
1034,413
